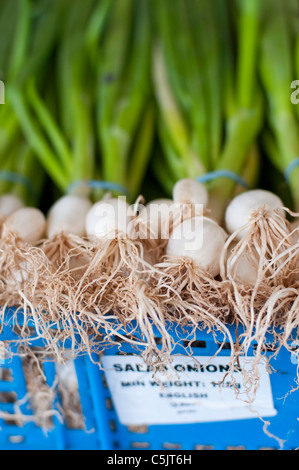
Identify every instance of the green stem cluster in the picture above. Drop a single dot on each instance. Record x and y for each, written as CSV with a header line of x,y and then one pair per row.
x,y
208,100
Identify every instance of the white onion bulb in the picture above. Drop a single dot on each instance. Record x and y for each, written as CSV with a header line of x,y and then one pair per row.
x,y
200,239
28,223
244,267
9,203
68,215
108,217
190,191
157,217
241,208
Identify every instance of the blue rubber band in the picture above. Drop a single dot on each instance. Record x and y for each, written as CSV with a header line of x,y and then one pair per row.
x,y
97,184
290,168
223,174
17,178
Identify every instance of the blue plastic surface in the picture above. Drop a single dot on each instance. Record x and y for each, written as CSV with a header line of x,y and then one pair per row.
x,y
104,431
32,437
245,434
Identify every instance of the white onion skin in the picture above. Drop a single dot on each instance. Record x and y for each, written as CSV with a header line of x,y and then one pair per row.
x,y
27,223
207,245
9,203
241,208
244,267
190,191
157,217
68,215
107,218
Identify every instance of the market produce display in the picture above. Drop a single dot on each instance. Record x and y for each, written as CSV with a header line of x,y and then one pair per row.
x,y
148,173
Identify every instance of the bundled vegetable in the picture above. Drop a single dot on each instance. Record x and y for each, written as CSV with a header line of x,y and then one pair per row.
x,y
201,123
24,267
270,243
115,285
209,104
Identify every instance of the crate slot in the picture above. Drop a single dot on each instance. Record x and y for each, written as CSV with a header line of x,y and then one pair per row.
x,y
105,385
41,396
13,421
109,404
28,330
140,445
121,339
8,397
16,439
112,425
118,339
69,393
267,347
203,447
7,406
195,344
120,353
138,429
268,448
236,448
5,375
171,446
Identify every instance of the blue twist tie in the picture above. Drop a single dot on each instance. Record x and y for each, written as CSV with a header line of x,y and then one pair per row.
x,y
17,178
290,168
223,174
96,184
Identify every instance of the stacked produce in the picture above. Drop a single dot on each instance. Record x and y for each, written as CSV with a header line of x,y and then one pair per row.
x,y
104,95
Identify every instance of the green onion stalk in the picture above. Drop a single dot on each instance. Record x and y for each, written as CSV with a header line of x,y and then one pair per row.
x,y
124,108
95,119
34,94
279,69
208,102
19,172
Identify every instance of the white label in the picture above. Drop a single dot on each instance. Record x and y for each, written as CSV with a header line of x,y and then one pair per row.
x,y
189,394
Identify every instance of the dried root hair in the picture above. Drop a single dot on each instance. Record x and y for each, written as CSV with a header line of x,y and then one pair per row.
x,y
269,240
193,299
24,274
30,284
263,307
142,321
115,265
68,253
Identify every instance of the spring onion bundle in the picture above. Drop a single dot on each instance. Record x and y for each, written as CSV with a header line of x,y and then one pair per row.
x,y
22,224
209,114
270,241
98,134
209,103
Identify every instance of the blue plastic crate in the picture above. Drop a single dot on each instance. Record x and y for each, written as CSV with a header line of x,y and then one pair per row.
x,y
29,436
104,430
235,434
